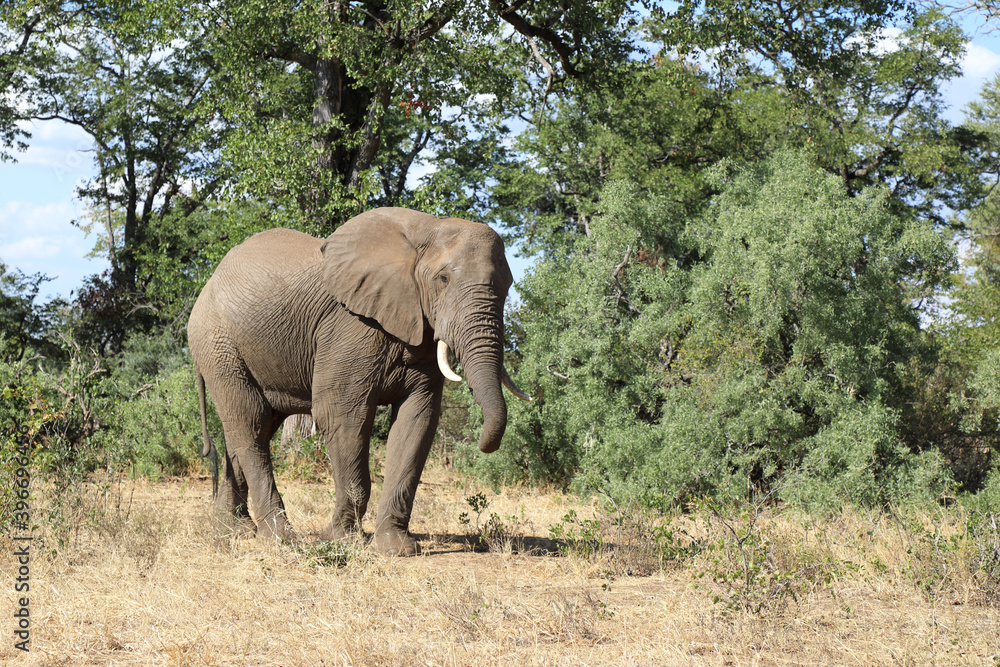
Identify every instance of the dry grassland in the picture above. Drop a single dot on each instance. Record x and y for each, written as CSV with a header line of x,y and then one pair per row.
x,y
154,584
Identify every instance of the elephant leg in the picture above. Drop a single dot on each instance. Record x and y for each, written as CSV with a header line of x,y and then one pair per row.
x,y
249,424
409,443
347,436
253,455
231,502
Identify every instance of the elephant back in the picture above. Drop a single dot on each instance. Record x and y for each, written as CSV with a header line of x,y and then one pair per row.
x,y
264,303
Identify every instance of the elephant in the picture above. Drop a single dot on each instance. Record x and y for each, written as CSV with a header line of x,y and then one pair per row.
x,y
289,323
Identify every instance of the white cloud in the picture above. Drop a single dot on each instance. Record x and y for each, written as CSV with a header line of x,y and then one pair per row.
x,y
887,41
38,238
33,248
57,131
63,164
979,65
17,217
979,62
60,147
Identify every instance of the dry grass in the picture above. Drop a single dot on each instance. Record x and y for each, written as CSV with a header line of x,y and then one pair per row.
x,y
156,585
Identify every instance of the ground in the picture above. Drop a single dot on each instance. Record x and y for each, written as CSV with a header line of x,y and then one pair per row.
x,y
138,576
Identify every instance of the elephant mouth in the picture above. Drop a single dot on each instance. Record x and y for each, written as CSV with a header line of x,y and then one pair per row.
x,y
448,373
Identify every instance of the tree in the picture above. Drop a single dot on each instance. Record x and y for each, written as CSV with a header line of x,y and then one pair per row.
x,y
978,292
969,332
778,356
865,91
16,33
25,325
986,11
284,106
137,92
608,342
657,123
314,88
140,106
833,77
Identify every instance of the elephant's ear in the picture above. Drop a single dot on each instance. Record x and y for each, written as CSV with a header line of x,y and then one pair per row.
x,y
368,265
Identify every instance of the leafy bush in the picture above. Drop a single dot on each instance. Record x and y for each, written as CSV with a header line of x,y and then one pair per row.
x,y
25,326
24,413
57,410
495,533
625,539
152,423
139,415
988,498
764,339
745,568
157,429
983,535
303,459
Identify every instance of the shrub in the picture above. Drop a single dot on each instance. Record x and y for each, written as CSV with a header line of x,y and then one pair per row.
x,y
24,414
764,339
157,429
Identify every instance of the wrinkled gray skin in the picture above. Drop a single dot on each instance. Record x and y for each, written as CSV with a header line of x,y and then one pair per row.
x,y
293,324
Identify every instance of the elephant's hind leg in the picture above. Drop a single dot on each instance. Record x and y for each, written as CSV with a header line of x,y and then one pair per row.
x,y
249,423
232,502
252,455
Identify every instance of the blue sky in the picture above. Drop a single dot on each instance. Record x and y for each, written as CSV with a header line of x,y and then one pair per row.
x,y
38,207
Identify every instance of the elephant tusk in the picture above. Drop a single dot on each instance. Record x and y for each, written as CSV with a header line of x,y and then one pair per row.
x,y
514,389
443,363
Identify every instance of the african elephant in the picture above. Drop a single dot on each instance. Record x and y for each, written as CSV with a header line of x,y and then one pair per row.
x,y
289,323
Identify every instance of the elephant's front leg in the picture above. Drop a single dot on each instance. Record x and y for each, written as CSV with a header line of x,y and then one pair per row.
x,y
410,440
347,434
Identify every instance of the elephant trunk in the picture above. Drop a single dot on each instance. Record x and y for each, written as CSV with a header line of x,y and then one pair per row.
x,y
480,349
484,382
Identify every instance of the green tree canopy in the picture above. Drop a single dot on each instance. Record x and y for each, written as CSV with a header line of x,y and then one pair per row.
x,y
777,356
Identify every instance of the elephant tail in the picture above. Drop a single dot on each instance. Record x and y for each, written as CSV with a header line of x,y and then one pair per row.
x,y
208,447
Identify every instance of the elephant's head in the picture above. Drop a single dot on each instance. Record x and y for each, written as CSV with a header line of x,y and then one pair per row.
x,y
409,270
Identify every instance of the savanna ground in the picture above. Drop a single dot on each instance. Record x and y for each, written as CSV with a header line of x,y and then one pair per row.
x,y
133,573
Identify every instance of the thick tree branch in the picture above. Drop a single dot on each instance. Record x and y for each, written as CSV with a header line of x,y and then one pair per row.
x,y
548,68
419,143
162,168
445,13
289,52
988,9
8,61
509,14
372,131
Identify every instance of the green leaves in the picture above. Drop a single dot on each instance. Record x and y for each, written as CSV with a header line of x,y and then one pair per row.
x,y
682,354
736,208
803,316
25,326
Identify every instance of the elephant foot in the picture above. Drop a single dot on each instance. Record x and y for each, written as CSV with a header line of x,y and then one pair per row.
x,y
336,532
243,527
277,528
394,542
230,524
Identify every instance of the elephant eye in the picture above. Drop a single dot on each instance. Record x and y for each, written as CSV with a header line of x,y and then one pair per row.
x,y
443,278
